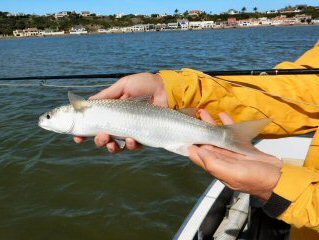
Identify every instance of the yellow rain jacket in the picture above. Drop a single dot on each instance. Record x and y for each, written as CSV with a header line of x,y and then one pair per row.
x,y
298,188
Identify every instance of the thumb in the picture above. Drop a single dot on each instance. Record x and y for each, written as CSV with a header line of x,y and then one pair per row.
x,y
114,91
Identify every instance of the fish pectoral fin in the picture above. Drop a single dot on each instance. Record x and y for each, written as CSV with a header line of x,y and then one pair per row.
x,y
120,142
180,149
189,111
78,102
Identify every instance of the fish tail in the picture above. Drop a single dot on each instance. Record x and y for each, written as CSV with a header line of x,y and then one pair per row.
x,y
244,133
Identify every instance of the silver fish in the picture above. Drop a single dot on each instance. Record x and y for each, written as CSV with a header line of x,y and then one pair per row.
x,y
149,124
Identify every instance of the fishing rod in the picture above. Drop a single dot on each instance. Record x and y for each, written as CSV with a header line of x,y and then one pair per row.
x,y
211,73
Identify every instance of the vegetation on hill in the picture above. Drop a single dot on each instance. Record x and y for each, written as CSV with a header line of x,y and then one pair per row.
x,y
9,23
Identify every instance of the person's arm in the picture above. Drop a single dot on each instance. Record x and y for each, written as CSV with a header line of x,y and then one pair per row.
x,y
291,192
295,198
190,88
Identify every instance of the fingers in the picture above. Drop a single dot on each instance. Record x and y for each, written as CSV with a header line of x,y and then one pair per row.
x,y
114,91
216,164
101,139
131,144
79,140
194,156
105,140
112,147
226,118
205,116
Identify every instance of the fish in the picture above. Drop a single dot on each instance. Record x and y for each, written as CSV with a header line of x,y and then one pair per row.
x,y
148,124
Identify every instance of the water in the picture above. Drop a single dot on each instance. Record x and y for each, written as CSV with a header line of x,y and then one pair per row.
x,y
51,188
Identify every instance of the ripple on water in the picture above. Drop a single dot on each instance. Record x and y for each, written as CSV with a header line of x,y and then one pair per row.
x,y
51,188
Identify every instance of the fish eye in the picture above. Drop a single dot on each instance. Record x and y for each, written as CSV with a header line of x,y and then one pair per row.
x,y
48,116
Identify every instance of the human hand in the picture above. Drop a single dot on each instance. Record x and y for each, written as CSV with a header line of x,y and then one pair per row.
x,y
257,174
143,84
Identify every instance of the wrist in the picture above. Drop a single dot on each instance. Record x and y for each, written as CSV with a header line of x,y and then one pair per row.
x,y
160,95
271,184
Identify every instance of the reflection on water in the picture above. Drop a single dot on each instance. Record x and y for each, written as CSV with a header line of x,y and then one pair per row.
x,y
51,188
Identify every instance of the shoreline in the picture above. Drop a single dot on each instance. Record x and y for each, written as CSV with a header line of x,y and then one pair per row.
x,y
165,30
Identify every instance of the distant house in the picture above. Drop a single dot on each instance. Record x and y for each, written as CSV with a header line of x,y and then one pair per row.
x,y
172,25
232,12
142,27
202,25
195,25
86,13
160,26
232,22
50,32
195,12
183,23
78,30
102,30
29,32
18,33
119,15
61,14
272,12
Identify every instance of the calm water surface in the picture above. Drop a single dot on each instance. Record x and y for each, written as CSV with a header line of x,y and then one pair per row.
x,y
51,188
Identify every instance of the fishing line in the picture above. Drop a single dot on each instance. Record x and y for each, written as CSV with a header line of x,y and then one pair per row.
x,y
232,82
51,85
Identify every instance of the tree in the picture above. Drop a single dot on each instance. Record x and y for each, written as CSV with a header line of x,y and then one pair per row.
x,y
244,9
255,9
176,11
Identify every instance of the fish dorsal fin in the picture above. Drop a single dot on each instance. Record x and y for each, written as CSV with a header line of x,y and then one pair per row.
x,y
146,98
244,133
189,111
78,102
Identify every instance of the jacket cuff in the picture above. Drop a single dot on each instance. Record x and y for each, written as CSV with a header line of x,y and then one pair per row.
x,y
293,182
276,205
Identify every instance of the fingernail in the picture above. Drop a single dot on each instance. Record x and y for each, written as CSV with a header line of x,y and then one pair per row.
x,y
110,149
129,143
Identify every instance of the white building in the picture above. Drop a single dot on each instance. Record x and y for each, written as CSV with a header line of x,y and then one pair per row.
x,y
126,29
202,25
61,14
50,32
119,15
78,30
232,12
115,30
272,12
172,25
29,32
141,27
102,30
86,13
160,27
194,12
183,24
264,21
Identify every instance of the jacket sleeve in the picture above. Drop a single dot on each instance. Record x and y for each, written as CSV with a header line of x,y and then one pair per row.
x,y
282,98
296,197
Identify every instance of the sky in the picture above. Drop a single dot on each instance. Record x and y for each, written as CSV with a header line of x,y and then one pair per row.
x,y
142,6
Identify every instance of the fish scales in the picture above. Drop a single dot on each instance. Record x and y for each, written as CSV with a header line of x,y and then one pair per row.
x,y
150,125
